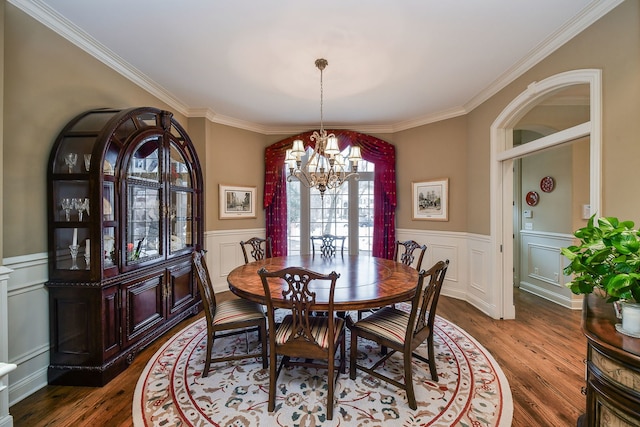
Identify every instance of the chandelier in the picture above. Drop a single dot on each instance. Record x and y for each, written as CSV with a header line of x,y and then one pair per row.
x,y
326,168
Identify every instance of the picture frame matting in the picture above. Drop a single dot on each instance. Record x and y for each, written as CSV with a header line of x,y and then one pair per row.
x,y
430,200
237,202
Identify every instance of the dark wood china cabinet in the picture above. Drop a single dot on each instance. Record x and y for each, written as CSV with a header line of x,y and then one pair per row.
x,y
125,214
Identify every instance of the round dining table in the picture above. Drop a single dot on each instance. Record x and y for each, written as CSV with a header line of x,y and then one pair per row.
x,y
365,282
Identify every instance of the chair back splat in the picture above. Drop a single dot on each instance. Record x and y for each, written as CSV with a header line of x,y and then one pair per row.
x,y
259,249
230,317
303,338
407,256
403,332
328,245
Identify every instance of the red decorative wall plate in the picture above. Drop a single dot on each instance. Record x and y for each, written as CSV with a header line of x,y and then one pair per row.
x,y
547,184
532,198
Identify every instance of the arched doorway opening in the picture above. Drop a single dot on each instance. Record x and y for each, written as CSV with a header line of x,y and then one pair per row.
x,y
504,153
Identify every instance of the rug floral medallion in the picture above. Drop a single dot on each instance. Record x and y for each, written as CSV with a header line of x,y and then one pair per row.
x,y
471,390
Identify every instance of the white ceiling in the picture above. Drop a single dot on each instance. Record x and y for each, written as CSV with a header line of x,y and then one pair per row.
x,y
392,64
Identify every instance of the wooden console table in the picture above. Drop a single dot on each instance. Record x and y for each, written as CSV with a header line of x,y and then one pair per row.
x,y
613,368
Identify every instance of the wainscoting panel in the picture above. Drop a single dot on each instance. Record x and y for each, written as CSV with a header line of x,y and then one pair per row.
x,y
230,254
28,311
5,368
482,292
542,264
441,246
468,278
224,253
477,263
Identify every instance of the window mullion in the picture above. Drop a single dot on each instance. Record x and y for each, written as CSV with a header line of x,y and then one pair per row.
x,y
305,218
353,217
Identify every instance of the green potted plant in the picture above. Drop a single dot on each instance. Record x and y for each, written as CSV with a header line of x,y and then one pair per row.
x,y
607,262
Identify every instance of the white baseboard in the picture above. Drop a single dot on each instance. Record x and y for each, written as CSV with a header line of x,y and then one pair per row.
x,y
27,385
568,302
6,421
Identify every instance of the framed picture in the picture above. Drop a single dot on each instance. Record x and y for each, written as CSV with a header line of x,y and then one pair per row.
x,y
431,200
237,202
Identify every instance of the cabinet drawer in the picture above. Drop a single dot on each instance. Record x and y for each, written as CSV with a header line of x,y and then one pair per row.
x,y
616,372
607,407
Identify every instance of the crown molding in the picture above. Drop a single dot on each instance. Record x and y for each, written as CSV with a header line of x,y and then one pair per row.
x,y
589,15
210,115
433,118
596,10
65,28
213,117
56,22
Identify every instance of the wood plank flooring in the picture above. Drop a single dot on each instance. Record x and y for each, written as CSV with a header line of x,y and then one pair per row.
x,y
542,354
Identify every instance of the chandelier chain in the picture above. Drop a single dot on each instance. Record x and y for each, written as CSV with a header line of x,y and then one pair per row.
x,y
326,167
321,97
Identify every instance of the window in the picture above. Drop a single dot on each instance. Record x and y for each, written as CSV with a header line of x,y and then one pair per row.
x,y
345,211
379,153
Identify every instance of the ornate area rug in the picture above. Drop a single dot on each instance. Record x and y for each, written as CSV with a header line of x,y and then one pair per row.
x,y
472,389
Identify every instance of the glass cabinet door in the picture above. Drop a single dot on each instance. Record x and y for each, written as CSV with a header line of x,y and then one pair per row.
x,y
180,202
181,220
124,190
143,223
144,200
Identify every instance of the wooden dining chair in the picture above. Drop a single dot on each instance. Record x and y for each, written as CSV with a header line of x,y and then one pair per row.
x,y
302,338
328,245
406,256
227,318
402,332
259,248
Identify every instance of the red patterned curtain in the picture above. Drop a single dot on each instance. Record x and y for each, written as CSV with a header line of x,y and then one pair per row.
x,y
374,150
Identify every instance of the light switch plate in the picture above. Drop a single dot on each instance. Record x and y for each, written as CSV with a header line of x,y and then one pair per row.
x,y
528,226
586,211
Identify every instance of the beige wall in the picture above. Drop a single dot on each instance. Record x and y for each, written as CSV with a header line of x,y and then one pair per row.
x,y
613,45
580,178
560,210
553,211
47,81
555,117
236,157
431,152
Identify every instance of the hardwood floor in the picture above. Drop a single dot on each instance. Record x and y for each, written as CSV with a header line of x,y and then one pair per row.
x,y
542,354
